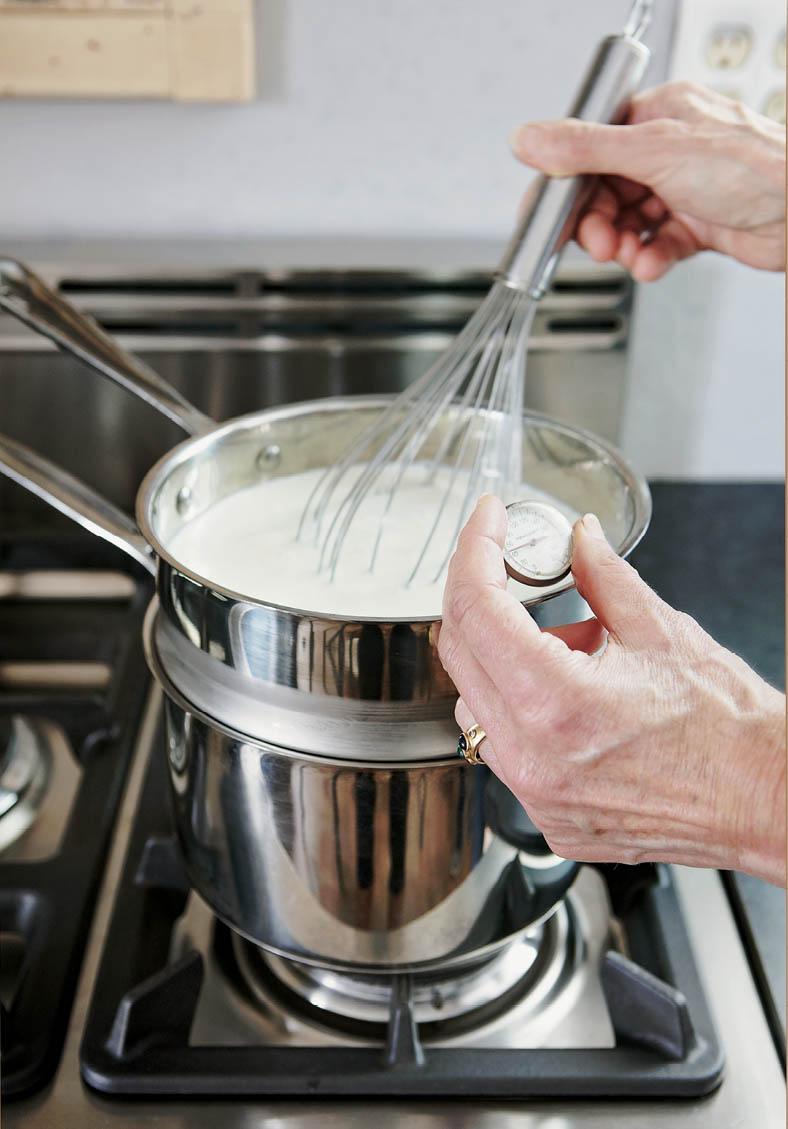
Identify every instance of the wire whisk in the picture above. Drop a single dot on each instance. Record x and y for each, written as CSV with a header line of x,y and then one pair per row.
x,y
464,414
458,429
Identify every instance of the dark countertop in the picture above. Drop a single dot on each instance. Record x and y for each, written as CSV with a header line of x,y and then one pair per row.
x,y
717,551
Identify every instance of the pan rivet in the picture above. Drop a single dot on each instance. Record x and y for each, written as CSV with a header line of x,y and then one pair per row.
x,y
269,458
183,499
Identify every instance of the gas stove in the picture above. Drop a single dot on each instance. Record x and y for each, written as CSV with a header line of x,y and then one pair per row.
x,y
182,1005
637,1002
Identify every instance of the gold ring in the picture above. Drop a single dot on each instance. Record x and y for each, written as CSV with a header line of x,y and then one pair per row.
x,y
469,742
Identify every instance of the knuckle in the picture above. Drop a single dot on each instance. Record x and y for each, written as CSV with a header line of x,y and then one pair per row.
x,y
657,129
464,601
448,651
684,623
666,627
678,96
537,791
583,139
548,785
662,135
684,88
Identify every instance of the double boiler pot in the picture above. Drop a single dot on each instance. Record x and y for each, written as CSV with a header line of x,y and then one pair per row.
x,y
319,803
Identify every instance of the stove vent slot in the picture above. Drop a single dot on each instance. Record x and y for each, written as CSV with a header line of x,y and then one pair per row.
x,y
157,286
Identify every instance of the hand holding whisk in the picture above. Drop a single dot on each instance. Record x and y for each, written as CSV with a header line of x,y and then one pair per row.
x,y
457,432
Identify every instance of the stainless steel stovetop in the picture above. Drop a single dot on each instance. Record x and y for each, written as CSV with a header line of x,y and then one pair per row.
x,y
270,345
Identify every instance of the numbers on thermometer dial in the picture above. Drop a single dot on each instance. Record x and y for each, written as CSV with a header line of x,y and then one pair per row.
x,y
539,542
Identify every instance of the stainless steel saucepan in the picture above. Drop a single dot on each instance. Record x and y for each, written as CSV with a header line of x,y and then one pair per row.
x,y
319,803
300,677
347,864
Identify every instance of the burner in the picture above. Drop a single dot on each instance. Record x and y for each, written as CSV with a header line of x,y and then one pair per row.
x,y
527,973
25,771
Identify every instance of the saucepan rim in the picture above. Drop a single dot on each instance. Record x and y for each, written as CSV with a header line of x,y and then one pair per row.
x,y
196,445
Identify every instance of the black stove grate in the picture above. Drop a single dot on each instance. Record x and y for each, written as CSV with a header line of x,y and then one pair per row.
x,y
136,1039
47,904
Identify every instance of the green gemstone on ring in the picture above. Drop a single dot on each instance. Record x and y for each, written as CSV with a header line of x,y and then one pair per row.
x,y
462,745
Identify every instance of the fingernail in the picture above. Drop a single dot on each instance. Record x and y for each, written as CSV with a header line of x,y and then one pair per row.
x,y
593,528
516,136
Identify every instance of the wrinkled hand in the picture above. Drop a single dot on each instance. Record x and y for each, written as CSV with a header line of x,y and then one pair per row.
x,y
663,747
691,171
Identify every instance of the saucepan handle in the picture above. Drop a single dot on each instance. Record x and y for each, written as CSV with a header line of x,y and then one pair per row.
x,y
75,499
27,297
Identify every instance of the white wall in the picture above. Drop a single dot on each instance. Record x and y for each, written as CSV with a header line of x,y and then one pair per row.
x,y
391,119
707,373
380,117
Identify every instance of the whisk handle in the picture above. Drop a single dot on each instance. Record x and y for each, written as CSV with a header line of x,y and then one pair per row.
x,y
546,226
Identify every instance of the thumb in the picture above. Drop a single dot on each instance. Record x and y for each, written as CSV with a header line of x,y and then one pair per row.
x,y
631,611
569,147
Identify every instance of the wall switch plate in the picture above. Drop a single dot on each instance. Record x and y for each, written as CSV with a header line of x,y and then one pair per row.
x,y
736,47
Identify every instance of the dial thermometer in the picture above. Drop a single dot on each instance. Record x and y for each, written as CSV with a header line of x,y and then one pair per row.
x,y
539,542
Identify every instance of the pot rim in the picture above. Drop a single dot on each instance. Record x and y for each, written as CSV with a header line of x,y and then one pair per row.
x,y
171,691
179,454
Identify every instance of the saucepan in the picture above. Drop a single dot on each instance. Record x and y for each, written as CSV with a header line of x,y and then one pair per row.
x,y
319,803
302,677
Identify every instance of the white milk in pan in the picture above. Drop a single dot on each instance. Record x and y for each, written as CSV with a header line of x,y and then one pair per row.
x,y
247,543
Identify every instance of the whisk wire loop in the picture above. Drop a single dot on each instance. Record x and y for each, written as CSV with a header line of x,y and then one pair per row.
x,y
404,431
460,421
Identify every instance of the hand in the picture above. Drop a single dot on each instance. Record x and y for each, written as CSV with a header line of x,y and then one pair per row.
x,y
664,747
691,171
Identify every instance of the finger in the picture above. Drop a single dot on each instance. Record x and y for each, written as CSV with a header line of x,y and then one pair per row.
x,y
481,544
604,201
597,235
463,715
629,247
627,193
471,681
477,566
465,718
684,100
476,577
476,571
654,261
670,243
633,614
646,215
587,635
570,147
483,620
652,209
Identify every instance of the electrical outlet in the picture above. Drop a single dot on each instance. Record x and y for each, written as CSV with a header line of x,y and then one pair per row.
x,y
729,47
774,106
736,47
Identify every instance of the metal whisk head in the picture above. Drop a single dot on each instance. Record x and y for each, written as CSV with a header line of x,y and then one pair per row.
x,y
460,426
457,430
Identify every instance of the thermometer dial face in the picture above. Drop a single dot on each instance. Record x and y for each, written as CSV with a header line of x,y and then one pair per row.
x,y
539,542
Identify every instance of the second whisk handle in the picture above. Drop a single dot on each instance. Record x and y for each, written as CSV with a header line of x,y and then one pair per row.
x,y
547,224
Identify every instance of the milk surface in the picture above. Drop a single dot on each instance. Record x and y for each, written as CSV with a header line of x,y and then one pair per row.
x,y
248,542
